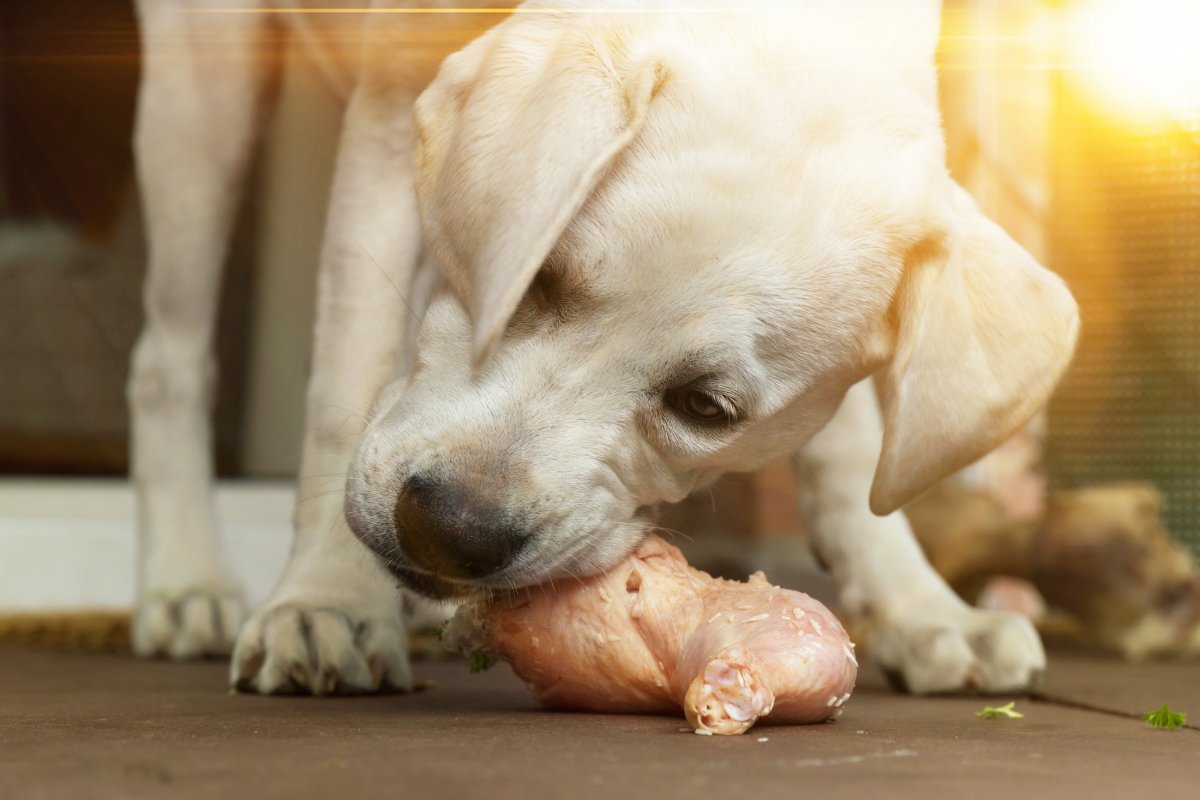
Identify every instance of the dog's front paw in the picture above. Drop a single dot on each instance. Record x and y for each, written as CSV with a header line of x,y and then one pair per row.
x,y
189,623
964,650
297,648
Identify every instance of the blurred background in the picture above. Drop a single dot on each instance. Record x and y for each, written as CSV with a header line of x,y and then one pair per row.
x,y
1075,123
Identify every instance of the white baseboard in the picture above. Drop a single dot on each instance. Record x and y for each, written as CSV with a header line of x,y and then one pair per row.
x,y
69,544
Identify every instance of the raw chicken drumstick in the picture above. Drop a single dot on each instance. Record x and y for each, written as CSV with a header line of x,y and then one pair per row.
x,y
654,634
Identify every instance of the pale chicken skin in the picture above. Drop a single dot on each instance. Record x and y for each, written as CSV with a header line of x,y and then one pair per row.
x,y
653,635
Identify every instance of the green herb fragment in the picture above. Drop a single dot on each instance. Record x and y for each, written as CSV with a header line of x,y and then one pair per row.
x,y
1165,718
1005,710
233,692
478,662
440,630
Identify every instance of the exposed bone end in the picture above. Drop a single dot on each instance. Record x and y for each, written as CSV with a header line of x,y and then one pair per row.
x,y
728,697
467,631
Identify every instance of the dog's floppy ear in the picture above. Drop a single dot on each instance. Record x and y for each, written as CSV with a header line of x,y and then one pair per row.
x,y
983,334
515,133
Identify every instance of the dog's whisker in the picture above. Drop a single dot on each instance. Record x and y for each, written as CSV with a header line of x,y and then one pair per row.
x,y
334,437
418,317
542,587
330,481
673,532
317,496
345,409
571,573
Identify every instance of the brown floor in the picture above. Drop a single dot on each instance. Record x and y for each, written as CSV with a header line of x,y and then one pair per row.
x,y
78,725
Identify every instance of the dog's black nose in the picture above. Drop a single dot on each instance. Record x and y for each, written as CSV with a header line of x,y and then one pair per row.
x,y
453,532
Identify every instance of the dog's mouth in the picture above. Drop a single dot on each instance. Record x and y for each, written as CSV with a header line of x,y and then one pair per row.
x,y
433,587
567,565
440,587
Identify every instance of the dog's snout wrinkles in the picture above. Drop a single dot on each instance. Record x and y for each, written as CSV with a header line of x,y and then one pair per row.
x,y
453,531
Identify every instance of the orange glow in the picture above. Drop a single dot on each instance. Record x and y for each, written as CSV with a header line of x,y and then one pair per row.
x,y
470,10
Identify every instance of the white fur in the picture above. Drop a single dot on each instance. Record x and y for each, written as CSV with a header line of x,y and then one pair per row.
x,y
756,201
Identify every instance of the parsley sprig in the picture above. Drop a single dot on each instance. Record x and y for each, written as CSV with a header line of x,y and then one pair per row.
x,y
1165,718
1006,710
478,662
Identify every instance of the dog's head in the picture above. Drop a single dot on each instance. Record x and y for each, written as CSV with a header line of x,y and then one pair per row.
x,y
671,245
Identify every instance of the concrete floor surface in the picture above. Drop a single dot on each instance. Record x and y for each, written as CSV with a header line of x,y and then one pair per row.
x,y
76,725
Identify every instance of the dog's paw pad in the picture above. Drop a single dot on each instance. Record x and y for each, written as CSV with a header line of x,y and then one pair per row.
x,y
969,651
197,623
297,649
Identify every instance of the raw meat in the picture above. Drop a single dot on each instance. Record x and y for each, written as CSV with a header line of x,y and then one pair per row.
x,y
653,635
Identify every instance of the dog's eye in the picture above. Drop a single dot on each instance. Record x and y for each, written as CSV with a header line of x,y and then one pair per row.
x,y
701,406
542,289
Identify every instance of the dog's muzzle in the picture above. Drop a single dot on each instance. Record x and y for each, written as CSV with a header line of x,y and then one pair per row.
x,y
454,532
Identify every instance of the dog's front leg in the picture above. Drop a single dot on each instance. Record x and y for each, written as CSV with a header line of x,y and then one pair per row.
x,y
333,624
919,632
196,123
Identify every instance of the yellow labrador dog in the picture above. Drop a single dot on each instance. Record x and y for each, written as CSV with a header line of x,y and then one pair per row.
x,y
639,246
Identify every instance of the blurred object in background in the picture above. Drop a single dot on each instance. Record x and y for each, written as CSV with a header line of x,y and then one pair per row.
x,y
1103,555
68,312
1125,233
72,252
1100,559
68,72
1002,593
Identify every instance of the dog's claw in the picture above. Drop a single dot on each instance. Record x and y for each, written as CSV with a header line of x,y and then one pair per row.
x,y
295,649
969,651
197,623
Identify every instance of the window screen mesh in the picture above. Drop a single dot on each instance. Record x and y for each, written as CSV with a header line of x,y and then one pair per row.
x,y
1125,234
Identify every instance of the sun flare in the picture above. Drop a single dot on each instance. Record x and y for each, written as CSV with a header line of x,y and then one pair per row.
x,y
1143,56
